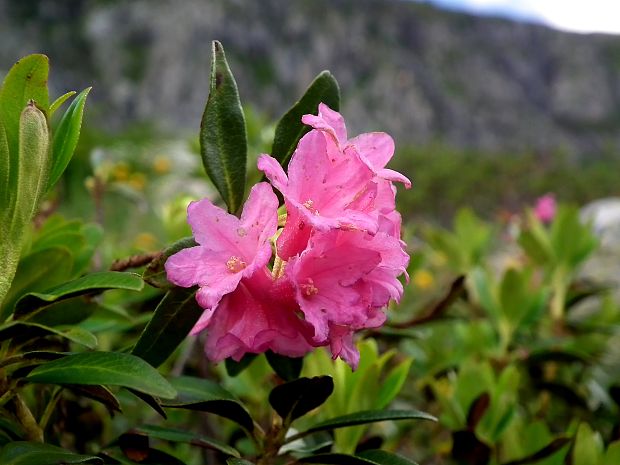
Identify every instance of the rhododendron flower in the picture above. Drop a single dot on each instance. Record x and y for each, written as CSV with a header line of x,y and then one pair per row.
x,y
338,256
229,248
375,149
545,208
257,316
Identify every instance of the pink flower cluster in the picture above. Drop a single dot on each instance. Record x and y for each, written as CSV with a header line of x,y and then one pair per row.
x,y
545,208
337,258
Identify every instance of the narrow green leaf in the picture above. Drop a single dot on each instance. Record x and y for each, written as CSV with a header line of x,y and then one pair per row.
x,y
108,368
383,457
238,461
59,101
296,398
63,312
24,331
393,383
290,129
176,435
25,81
206,396
66,137
544,452
287,368
370,457
34,453
155,273
362,418
28,305
223,140
172,321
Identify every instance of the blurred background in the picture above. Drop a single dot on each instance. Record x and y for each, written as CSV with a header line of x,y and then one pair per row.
x,y
491,106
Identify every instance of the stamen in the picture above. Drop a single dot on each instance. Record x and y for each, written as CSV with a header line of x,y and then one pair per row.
x,y
235,264
309,204
309,289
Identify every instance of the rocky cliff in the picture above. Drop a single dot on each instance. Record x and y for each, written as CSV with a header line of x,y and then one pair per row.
x,y
420,73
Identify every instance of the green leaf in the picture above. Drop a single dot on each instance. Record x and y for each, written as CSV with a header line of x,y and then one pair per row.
x,y
383,457
362,418
172,321
25,331
588,446
370,457
296,398
206,396
290,129
34,453
151,401
66,137
6,190
29,305
58,102
108,368
287,368
176,435
233,368
37,271
238,461
223,140
25,81
27,180
612,455
99,393
545,452
155,273
393,383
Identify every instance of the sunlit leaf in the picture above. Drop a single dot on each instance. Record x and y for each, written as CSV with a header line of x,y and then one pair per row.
x,y
66,137
28,305
107,368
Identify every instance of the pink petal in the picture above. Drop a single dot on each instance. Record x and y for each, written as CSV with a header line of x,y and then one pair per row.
x,y
249,320
329,121
377,148
323,276
294,237
273,171
259,222
213,226
342,345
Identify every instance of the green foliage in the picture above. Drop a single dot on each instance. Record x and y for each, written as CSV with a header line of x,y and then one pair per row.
x,y
66,137
28,453
223,140
173,318
107,368
290,129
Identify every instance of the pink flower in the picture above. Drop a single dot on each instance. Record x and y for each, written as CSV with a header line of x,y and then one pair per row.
x,y
322,191
229,248
340,250
257,316
342,281
375,149
545,208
